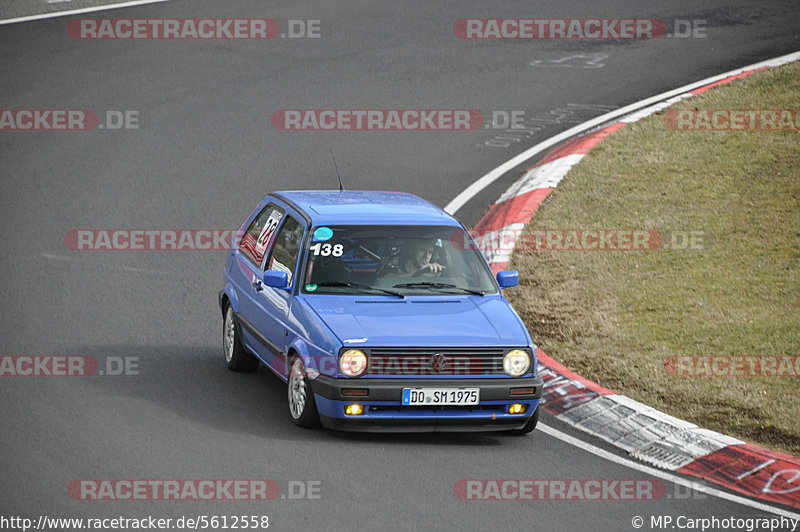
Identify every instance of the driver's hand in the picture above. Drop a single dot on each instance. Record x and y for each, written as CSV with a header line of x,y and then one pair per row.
x,y
434,267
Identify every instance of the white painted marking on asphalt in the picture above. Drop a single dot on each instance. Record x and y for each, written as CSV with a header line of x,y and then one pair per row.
x,y
475,188
669,477
583,61
644,113
757,469
71,12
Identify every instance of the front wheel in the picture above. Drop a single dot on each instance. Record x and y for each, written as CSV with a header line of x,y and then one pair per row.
x,y
302,406
236,356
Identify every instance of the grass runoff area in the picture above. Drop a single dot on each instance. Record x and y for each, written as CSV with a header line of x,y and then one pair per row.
x,y
677,327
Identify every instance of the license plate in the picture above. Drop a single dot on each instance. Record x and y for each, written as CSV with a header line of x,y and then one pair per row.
x,y
441,396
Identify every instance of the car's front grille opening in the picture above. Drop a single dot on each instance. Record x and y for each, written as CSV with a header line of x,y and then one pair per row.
x,y
436,362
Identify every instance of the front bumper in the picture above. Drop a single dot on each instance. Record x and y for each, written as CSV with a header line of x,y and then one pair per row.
x,y
384,411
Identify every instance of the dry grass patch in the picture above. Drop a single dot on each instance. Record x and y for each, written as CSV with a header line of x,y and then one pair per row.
x,y
616,316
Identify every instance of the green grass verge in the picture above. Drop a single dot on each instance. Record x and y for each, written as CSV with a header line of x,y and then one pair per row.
x,y
616,316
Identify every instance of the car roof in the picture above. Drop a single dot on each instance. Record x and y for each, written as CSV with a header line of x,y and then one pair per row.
x,y
358,207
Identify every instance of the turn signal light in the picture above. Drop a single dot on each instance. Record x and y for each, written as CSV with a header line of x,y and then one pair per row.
x,y
355,392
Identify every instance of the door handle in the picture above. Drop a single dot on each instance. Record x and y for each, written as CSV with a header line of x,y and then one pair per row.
x,y
257,286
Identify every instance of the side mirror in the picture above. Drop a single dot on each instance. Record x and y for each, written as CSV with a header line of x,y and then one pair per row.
x,y
276,279
508,278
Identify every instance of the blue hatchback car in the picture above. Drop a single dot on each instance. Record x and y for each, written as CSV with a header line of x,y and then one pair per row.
x,y
380,313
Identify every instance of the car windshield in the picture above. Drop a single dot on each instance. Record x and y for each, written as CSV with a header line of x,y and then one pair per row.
x,y
394,260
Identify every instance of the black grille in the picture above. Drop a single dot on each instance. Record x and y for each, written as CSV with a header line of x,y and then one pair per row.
x,y
442,361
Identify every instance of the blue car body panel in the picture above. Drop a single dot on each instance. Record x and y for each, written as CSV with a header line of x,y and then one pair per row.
x,y
276,323
421,321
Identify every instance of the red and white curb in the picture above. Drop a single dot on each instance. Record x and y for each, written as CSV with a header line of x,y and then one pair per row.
x,y
643,432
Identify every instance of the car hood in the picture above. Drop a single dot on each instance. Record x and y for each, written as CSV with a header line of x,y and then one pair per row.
x,y
421,321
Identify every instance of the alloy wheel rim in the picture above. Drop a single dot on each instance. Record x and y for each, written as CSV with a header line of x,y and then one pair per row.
x,y
229,335
297,390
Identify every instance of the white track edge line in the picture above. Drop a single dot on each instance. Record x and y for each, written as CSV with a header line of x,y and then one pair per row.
x,y
696,485
471,191
78,11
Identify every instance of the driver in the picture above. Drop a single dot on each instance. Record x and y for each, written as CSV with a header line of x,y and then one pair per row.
x,y
415,261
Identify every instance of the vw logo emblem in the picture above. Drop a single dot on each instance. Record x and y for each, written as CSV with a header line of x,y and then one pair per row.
x,y
438,362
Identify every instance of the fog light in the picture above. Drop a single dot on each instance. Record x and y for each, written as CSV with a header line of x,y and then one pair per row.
x,y
354,410
517,409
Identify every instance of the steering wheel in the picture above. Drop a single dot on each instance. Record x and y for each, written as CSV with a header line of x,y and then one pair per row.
x,y
421,271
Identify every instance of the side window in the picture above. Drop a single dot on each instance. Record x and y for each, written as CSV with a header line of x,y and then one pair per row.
x,y
257,240
286,248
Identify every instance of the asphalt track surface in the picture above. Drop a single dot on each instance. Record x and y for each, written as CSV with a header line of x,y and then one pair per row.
x,y
204,153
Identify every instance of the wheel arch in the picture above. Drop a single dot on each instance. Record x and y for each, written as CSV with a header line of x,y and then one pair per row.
x,y
299,349
228,296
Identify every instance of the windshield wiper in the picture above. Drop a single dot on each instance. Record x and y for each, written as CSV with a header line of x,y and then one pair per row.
x,y
436,286
361,286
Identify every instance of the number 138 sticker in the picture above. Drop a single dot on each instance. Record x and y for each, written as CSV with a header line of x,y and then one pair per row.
x,y
327,249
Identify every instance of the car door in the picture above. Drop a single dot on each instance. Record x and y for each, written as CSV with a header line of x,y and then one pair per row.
x,y
275,303
254,247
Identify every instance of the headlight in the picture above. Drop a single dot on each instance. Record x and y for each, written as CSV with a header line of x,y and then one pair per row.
x,y
353,363
516,362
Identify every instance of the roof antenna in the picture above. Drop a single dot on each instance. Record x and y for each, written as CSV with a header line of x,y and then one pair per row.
x,y
341,187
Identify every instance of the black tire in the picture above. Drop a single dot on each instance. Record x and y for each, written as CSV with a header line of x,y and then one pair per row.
x,y
302,407
236,356
529,426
